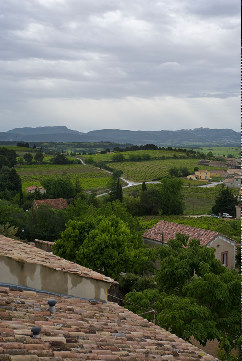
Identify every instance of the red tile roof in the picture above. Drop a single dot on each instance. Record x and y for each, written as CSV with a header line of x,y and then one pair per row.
x,y
27,253
168,230
83,330
58,203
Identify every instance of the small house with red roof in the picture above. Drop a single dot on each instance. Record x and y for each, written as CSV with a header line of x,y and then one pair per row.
x,y
57,203
163,231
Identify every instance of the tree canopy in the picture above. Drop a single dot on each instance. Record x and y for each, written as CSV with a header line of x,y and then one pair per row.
x,y
195,295
225,202
105,242
59,187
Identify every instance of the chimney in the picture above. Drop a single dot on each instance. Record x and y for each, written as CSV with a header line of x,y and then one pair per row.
x,y
52,304
36,331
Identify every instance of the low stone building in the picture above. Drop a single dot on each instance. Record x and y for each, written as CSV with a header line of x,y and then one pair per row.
x,y
25,265
233,182
163,231
234,171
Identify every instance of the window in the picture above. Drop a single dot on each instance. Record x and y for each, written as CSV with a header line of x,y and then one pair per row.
x,y
224,258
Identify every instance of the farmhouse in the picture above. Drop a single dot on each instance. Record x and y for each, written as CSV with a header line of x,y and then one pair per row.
x,y
37,323
203,174
33,189
233,182
57,203
163,231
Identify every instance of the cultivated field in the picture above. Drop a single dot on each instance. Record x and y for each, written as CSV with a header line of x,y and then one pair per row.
x,y
89,177
221,151
154,169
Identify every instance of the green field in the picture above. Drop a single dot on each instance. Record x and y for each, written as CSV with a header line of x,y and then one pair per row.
x,y
221,151
89,177
154,154
199,200
154,169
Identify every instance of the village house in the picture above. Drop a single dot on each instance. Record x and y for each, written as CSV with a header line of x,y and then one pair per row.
x,y
163,231
57,203
218,173
203,174
53,309
33,189
233,171
233,182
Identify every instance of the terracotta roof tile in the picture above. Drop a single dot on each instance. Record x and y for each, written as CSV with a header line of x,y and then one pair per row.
x,y
27,253
58,203
85,331
168,230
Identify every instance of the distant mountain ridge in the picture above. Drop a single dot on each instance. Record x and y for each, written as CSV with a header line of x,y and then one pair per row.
x,y
183,137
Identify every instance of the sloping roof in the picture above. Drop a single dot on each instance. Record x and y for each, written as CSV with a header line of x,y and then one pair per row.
x,y
27,253
58,203
83,330
32,188
168,230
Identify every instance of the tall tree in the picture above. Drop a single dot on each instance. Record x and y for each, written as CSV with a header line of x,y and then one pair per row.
x,y
171,195
28,158
39,156
225,202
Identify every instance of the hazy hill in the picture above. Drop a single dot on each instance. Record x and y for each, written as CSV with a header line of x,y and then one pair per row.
x,y
183,137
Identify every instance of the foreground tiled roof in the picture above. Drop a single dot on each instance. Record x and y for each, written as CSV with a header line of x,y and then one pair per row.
x,y
168,230
58,203
27,253
83,330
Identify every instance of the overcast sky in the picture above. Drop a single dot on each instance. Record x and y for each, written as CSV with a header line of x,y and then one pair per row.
x,y
138,65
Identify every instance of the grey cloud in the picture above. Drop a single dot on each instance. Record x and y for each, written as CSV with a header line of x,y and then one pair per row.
x,y
97,49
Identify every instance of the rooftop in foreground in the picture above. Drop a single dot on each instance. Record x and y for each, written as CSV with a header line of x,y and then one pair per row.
x,y
83,330
23,252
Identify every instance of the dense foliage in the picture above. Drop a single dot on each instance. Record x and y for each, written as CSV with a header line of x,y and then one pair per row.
x,y
59,187
225,202
194,296
104,239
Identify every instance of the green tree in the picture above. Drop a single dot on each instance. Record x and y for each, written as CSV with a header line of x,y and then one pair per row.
x,y
150,201
39,156
105,244
11,156
60,159
4,161
144,187
28,158
45,223
118,157
171,195
195,295
59,187
10,183
174,172
13,215
225,202
116,191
